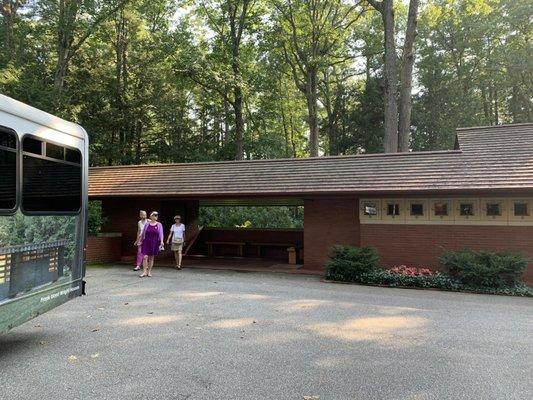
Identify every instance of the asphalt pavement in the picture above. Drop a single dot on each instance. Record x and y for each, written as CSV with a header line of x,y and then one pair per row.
x,y
202,335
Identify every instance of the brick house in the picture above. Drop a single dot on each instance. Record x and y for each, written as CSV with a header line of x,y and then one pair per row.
x,y
409,206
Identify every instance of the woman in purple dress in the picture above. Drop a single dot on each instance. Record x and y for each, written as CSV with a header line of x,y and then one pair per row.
x,y
151,243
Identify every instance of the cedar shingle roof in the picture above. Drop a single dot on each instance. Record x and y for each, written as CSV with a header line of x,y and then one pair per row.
x,y
488,158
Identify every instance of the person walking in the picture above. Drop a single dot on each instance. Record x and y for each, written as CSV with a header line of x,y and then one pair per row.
x,y
177,232
151,243
140,226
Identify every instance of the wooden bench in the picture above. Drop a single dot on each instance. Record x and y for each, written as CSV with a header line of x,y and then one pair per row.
x,y
259,245
240,246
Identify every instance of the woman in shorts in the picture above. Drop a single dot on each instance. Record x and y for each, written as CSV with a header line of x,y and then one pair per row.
x,y
177,234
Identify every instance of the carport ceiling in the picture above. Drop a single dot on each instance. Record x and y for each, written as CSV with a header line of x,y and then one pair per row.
x,y
261,202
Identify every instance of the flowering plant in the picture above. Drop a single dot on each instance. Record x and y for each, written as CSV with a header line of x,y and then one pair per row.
x,y
410,271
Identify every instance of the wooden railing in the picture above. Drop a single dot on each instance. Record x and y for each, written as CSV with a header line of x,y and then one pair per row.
x,y
190,242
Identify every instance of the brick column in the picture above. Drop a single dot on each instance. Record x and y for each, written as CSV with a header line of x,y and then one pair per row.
x,y
328,221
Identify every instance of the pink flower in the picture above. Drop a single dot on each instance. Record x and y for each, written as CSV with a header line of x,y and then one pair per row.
x,y
410,271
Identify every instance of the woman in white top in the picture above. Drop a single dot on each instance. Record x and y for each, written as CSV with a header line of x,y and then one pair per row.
x,y
140,227
177,233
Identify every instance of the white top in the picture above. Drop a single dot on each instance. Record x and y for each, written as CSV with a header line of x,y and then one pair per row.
x,y
140,225
177,230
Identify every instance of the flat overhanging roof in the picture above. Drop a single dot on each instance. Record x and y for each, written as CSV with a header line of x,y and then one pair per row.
x,y
488,159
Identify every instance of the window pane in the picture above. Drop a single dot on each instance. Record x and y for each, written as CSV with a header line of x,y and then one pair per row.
x,y
50,186
32,145
466,209
7,139
8,183
520,210
54,151
493,209
370,209
441,209
393,209
73,156
417,209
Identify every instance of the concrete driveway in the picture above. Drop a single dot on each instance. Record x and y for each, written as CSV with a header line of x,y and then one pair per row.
x,y
228,335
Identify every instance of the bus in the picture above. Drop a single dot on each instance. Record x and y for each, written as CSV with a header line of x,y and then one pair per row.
x,y
43,211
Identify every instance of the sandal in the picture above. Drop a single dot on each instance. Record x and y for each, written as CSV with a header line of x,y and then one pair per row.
x,y
137,268
143,276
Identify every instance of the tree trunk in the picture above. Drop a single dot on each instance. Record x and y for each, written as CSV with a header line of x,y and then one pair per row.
x,y
408,59
226,123
485,103
9,9
311,94
333,141
390,141
61,71
514,102
496,114
237,23
285,130
64,41
126,122
239,123
293,139
491,106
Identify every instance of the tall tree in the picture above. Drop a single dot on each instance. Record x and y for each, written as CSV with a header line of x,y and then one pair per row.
x,y
472,67
74,22
406,78
390,77
396,136
313,37
232,22
9,14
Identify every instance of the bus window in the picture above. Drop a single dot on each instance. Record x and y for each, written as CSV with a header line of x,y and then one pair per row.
x,y
32,146
8,170
73,156
55,151
50,185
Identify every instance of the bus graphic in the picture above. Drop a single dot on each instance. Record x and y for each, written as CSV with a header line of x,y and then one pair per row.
x,y
43,211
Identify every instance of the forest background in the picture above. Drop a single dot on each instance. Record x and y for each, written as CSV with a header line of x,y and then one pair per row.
x,y
159,81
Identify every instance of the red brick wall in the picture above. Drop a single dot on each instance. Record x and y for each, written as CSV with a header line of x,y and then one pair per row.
x,y
328,222
421,245
101,249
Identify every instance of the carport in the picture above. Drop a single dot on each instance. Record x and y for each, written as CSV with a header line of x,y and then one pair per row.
x,y
330,215
409,206
280,245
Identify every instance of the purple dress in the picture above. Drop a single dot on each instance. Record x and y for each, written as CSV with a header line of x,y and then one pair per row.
x,y
151,241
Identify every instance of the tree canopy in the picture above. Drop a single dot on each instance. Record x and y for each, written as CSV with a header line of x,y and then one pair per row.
x,y
196,80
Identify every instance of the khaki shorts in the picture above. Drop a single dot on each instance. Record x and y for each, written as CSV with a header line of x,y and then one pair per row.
x,y
177,246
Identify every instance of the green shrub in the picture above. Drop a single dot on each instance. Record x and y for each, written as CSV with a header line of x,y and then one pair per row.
x,y
438,280
389,278
347,263
484,269
96,220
